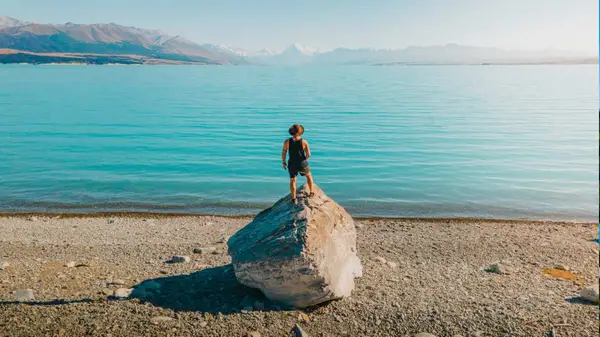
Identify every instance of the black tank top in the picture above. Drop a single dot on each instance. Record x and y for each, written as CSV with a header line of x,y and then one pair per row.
x,y
296,150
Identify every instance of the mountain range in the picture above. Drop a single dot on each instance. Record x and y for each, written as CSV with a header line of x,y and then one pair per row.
x,y
22,41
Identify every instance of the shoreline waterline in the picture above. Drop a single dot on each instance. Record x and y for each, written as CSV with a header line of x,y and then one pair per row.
x,y
164,215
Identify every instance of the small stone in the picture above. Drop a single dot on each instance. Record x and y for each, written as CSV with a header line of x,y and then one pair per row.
x,y
25,295
161,319
110,221
123,292
31,218
392,264
217,252
358,225
254,334
590,294
70,264
205,250
164,272
302,317
117,282
4,265
297,331
498,268
203,324
199,266
223,239
478,334
337,318
108,292
561,267
395,280
180,259
424,334
380,259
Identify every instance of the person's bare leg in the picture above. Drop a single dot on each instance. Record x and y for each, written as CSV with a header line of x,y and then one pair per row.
x,y
293,189
309,181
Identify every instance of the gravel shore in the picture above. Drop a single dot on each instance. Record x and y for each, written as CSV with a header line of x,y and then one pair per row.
x,y
435,276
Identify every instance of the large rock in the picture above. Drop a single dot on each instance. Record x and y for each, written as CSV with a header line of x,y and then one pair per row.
x,y
299,255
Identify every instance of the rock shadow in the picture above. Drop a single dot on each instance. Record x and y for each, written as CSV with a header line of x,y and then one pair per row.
x,y
211,290
579,300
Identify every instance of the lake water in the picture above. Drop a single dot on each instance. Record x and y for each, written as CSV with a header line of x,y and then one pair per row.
x,y
418,141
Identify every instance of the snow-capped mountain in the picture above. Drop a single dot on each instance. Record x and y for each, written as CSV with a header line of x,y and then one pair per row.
x,y
295,54
303,49
263,52
221,48
8,22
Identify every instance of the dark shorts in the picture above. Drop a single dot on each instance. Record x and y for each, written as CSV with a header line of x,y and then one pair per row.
x,y
294,169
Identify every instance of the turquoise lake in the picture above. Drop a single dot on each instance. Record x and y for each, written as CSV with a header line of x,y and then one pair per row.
x,y
518,142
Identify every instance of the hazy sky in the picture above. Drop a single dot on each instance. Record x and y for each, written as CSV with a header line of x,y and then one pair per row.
x,y
255,24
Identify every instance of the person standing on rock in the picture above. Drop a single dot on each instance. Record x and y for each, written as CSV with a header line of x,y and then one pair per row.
x,y
299,153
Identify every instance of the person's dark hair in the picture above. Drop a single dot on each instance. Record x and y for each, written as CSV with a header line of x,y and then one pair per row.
x,y
296,129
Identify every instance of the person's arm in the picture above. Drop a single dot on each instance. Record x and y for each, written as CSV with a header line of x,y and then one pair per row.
x,y
306,149
284,154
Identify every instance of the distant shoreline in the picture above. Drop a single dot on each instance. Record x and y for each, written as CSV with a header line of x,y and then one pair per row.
x,y
533,63
12,56
19,57
254,65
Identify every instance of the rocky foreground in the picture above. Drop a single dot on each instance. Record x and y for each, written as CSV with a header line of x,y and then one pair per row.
x,y
75,276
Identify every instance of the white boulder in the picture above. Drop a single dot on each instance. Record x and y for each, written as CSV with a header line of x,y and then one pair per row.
x,y
299,255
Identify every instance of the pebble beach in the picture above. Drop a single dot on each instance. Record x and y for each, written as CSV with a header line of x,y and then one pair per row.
x,y
77,275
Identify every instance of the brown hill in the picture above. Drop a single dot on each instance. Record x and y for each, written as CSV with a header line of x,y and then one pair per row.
x,y
109,38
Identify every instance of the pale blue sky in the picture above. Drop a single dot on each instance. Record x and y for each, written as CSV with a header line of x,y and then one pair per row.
x,y
255,24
